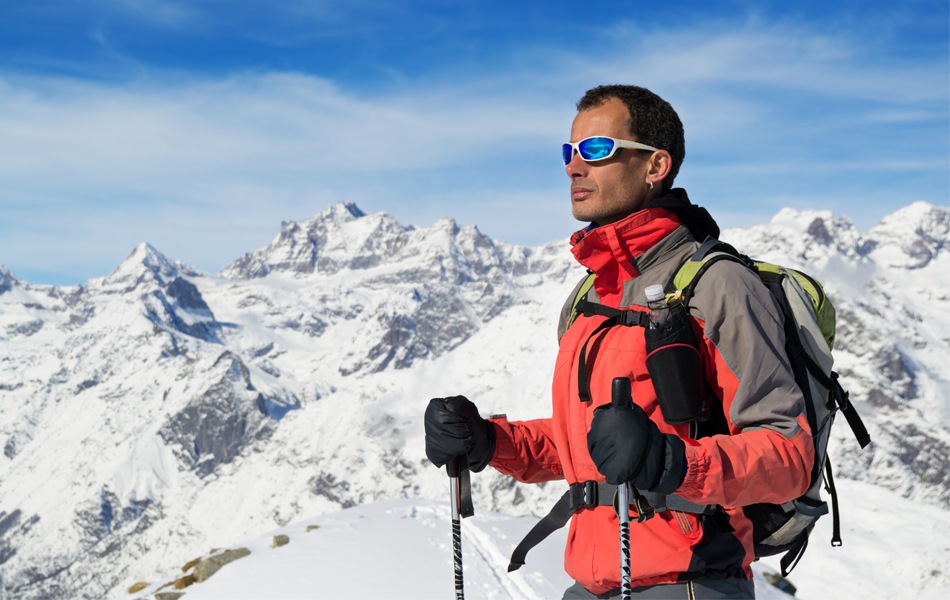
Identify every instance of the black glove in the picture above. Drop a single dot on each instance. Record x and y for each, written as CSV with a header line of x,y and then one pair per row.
x,y
454,428
628,447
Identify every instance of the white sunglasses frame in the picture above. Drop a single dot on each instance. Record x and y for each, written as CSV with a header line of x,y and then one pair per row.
x,y
617,144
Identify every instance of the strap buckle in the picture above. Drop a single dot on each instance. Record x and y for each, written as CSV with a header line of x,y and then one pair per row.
x,y
583,495
643,507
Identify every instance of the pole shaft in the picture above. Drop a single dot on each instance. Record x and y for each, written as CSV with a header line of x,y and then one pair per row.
x,y
457,547
623,504
457,536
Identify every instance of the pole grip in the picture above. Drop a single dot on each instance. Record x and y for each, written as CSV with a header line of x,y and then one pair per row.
x,y
461,485
454,466
620,394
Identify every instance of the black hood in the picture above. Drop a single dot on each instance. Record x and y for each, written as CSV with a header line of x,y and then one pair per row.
x,y
696,218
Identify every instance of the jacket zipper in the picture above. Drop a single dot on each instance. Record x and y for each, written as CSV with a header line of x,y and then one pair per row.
x,y
683,521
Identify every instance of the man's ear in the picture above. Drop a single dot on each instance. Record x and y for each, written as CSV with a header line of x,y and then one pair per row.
x,y
659,167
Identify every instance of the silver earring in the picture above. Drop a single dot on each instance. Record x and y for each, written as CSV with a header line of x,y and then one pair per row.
x,y
650,183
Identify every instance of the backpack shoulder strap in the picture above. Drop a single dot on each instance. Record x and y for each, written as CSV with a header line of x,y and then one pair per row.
x,y
581,294
711,251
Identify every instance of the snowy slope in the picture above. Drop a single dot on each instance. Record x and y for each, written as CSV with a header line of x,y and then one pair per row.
x,y
399,549
153,413
403,549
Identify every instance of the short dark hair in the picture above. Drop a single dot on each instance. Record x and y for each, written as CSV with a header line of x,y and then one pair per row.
x,y
652,120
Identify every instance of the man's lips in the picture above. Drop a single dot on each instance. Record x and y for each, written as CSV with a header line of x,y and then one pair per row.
x,y
580,193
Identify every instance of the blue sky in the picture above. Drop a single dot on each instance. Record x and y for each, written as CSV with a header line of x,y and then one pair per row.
x,y
200,125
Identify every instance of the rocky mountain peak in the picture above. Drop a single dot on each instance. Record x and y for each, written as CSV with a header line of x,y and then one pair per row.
x,y
344,237
144,265
344,211
445,225
324,243
911,237
6,280
799,239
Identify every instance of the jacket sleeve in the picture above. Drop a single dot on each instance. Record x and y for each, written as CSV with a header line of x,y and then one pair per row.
x,y
525,450
768,453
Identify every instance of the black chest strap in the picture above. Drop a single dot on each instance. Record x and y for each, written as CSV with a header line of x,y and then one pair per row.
x,y
615,316
590,494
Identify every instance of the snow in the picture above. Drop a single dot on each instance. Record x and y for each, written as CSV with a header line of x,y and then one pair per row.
x,y
96,384
402,548
391,549
891,548
150,469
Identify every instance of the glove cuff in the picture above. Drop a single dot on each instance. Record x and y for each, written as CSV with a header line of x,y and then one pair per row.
x,y
674,459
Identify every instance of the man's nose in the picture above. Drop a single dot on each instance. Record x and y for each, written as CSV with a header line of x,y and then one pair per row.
x,y
577,167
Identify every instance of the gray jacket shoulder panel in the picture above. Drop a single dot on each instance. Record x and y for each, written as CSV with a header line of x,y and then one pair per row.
x,y
744,322
658,265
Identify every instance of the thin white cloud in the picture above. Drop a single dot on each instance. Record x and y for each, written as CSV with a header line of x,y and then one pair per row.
x,y
207,168
760,57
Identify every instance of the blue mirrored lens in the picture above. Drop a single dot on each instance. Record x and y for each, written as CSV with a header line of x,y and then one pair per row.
x,y
567,153
595,148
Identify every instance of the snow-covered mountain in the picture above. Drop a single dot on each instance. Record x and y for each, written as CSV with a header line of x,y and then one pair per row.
x,y
156,412
891,289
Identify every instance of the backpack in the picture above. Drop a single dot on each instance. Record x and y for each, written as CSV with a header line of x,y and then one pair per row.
x,y
810,333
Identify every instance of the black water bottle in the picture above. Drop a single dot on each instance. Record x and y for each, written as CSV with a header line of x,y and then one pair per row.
x,y
673,360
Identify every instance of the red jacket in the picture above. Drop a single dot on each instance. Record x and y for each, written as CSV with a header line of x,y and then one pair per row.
x,y
765,457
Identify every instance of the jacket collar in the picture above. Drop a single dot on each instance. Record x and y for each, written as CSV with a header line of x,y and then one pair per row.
x,y
611,250
696,218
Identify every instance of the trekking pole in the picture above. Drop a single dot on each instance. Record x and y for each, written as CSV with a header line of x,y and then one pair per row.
x,y
620,396
460,491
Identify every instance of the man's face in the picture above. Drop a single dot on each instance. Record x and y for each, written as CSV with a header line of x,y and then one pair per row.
x,y
608,190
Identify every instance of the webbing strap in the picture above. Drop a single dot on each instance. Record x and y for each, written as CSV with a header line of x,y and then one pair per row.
x,y
835,516
793,555
556,518
583,387
664,502
843,400
466,506
615,316
701,260
707,246
588,494
458,468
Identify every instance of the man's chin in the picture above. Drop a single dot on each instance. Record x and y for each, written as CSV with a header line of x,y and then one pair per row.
x,y
579,213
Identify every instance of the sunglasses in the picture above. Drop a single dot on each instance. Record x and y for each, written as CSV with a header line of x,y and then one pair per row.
x,y
598,147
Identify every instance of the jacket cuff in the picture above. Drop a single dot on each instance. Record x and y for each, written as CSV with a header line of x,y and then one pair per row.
x,y
674,465
504,451
697,466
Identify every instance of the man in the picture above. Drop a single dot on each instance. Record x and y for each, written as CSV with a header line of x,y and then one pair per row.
x,y
698,475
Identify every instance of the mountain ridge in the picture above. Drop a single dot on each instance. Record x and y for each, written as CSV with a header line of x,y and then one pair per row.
x,y
292,382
